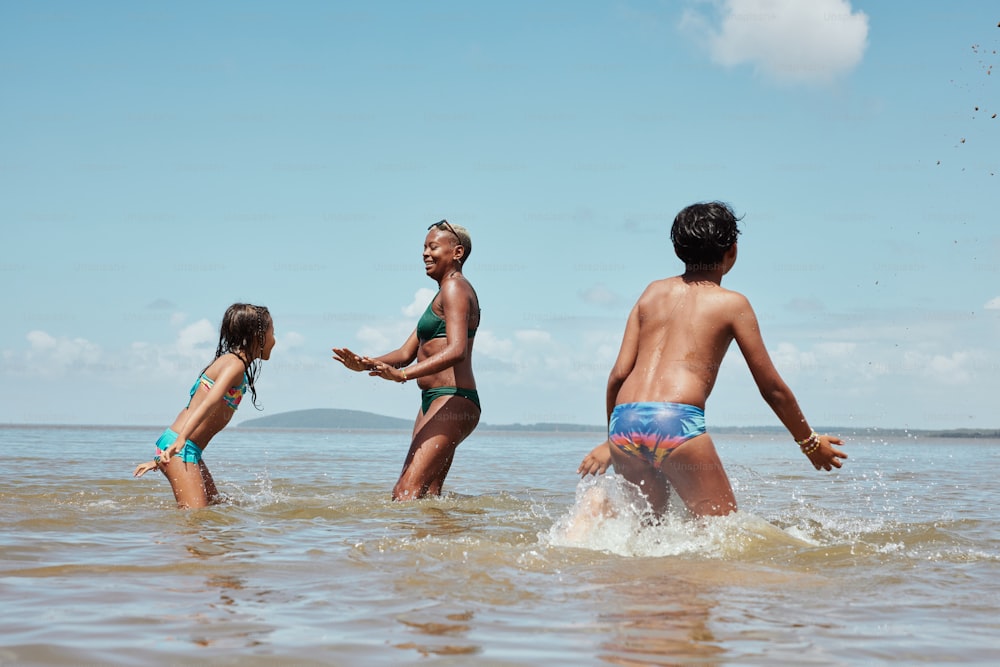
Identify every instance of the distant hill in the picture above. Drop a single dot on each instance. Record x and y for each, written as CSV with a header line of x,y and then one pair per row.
x,y
329,418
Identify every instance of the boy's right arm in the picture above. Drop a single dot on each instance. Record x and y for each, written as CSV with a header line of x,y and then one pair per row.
x,y
596,462
626,360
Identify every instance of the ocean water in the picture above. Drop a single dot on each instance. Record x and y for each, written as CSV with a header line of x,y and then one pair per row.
x,y
894,559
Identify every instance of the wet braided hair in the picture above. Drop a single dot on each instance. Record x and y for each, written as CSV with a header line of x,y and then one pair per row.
x,y
243,333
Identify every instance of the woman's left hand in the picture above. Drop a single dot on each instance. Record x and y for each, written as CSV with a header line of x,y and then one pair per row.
x,y
388,372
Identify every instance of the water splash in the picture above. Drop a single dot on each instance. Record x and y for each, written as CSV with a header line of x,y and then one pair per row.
x,y
611,515
260,494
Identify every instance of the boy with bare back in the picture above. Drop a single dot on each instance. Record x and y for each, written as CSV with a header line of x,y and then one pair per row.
x,y
675,339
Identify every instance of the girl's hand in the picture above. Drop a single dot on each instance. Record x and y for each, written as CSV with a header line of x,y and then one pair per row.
x,y
827,456
351,360
387,372
143,468
171,450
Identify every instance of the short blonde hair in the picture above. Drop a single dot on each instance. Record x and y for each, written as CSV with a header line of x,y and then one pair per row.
x,y
464,239
463,236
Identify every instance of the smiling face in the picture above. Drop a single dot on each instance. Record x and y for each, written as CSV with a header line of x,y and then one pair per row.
x,y
442,253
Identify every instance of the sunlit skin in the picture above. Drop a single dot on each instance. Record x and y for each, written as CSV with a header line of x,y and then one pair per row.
x,y
199,422
439,362
675,339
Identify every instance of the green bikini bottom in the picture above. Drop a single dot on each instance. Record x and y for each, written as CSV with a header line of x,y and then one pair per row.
x,y
427,396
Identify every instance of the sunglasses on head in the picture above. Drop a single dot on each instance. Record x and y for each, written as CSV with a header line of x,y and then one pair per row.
x,y
447,225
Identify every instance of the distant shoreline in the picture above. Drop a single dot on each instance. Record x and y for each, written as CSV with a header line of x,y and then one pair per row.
x,y
335,419
542,429
349,420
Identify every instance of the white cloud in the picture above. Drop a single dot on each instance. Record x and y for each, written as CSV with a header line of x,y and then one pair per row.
x,y
489,345
944,369
792,41
39,340
828,359
285,346
601,295
541,359
789,359
993,304
953,366
373,339
291,340
161,304
47,351
421,298
837,350
193,337
63,355
533,336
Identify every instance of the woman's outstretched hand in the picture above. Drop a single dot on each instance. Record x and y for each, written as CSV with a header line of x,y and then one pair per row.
x,y
351,360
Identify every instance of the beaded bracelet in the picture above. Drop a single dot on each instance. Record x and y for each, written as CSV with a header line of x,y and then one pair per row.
x,y
810,444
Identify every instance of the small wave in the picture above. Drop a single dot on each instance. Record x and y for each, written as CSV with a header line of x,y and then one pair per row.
x,y
612,516
260,494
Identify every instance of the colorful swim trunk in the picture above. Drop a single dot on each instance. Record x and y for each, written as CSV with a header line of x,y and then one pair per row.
x,y
190,452
653,430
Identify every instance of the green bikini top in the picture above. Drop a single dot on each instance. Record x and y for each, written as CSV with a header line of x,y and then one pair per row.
x,y
431,326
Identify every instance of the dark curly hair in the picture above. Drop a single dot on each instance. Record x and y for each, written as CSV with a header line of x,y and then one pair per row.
x,y
703,232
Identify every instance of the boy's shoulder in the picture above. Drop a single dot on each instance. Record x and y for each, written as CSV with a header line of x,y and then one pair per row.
x,y
664,285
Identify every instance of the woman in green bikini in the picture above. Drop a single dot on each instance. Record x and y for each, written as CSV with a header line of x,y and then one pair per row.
x,y
441,347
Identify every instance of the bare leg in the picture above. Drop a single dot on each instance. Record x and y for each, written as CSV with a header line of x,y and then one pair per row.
x,y
434,488
188,482
695,471
211,492
651,482
436,435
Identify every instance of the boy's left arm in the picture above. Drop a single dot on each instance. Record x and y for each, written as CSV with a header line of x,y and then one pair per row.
x,y
826,456
778,395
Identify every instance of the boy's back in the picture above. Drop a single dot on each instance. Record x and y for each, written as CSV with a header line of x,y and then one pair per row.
x,y
684,328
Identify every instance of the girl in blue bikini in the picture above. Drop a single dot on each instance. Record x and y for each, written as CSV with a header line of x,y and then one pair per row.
x,y
441,347
246,338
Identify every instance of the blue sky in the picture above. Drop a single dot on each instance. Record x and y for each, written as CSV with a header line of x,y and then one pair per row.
x,y
162,160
